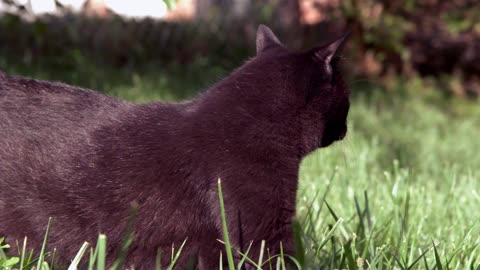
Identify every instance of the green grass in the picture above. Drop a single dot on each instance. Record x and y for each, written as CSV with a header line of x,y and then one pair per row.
x,y
401,192
406,179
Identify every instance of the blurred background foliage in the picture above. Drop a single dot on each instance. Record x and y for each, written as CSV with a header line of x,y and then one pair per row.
x,y
438,41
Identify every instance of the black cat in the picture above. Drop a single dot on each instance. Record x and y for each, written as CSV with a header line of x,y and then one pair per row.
x,y
81,158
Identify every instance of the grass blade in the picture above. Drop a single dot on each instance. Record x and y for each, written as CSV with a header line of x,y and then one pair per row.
x,y
438,262
269,260
418,259
244,257
361,225
22,255
177,255
404,227
295,261
102,252
329,235
220,262
367,210
44,246
93,257
335,217
425,263
260,258
282,257
53,257
350,256
228,247
78,257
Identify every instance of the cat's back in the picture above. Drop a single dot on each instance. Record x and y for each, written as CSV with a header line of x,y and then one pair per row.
x,y
37,104
43,124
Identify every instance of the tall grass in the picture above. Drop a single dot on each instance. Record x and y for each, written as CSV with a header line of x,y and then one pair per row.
x,y
401,192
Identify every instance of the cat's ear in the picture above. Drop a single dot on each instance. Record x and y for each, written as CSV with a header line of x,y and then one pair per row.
x,y
266,39
325,54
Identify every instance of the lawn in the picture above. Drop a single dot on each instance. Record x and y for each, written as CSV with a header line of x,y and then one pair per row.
x,y
400,192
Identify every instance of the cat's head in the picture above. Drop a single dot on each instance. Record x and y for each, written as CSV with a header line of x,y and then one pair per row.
x,y
313,86
294,99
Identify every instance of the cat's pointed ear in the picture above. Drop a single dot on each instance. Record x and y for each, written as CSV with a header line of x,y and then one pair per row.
x,y
326,53
266,38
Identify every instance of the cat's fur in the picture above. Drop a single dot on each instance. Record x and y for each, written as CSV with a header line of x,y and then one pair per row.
x,y
82,158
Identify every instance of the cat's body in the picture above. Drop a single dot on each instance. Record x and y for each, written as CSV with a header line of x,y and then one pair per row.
x,y
82,158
